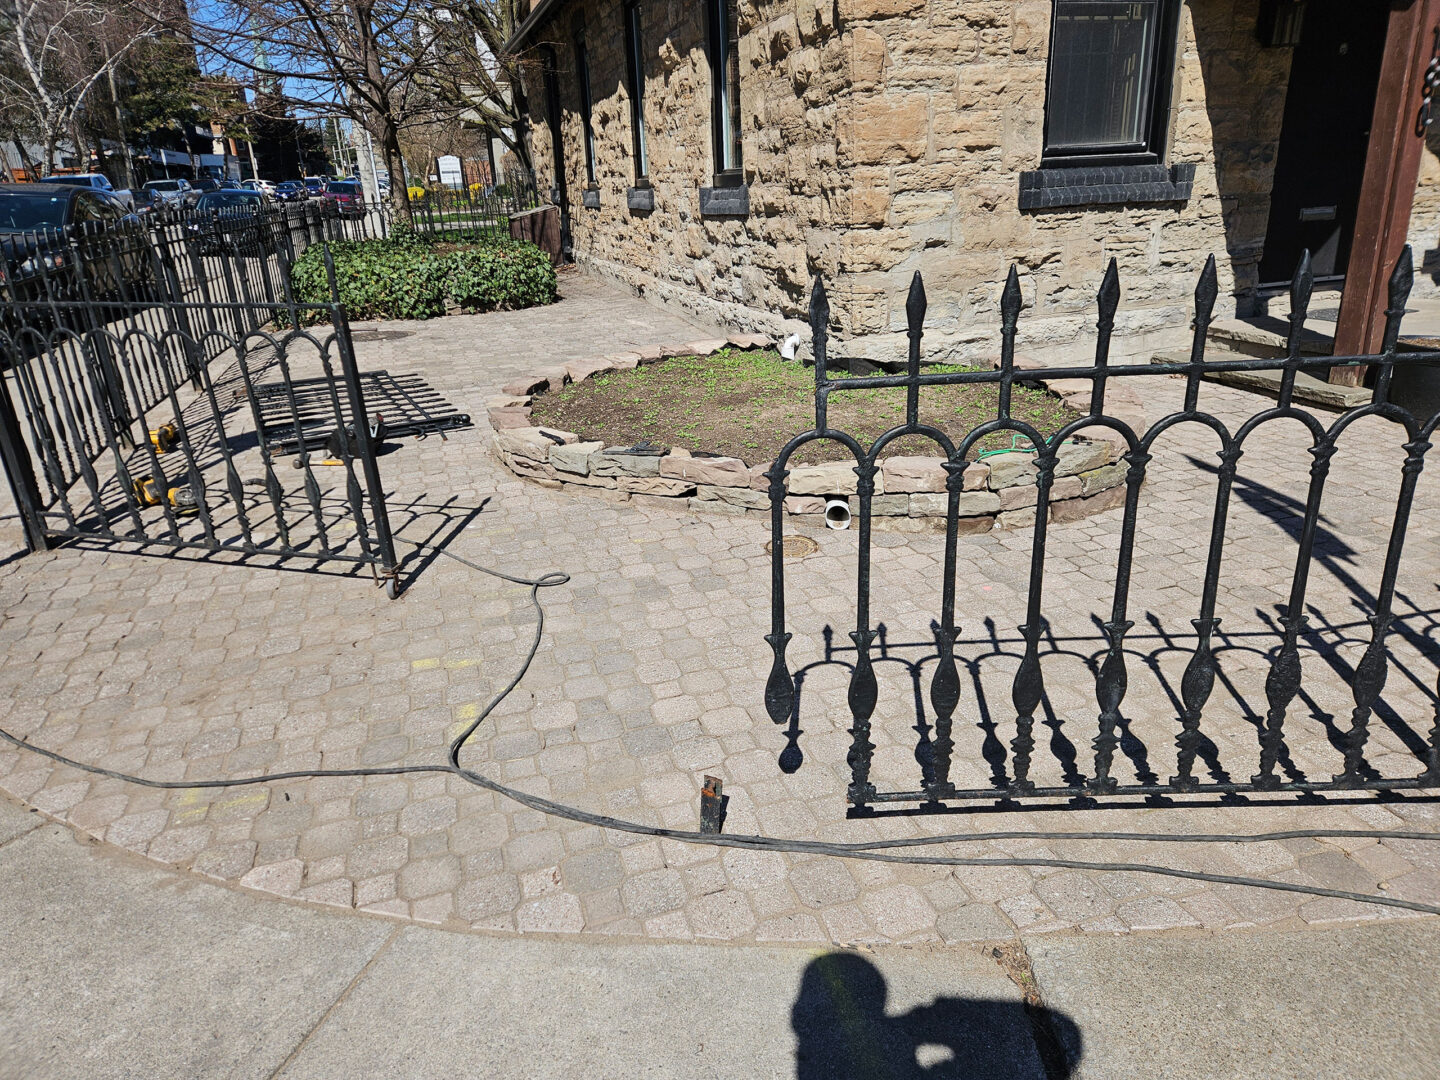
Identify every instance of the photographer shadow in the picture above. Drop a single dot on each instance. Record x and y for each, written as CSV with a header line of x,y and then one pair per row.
x,y
843,1032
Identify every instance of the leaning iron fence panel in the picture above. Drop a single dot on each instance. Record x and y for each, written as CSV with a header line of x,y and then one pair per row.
x,y
1012,780
132,362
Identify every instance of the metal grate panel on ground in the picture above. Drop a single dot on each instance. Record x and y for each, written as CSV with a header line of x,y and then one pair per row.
x,y
404,404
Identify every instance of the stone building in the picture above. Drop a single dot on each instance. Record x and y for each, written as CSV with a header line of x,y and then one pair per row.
x,y
718,154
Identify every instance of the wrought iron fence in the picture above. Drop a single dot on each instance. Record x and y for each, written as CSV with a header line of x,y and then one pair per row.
x,y
936,754
136,360
475,209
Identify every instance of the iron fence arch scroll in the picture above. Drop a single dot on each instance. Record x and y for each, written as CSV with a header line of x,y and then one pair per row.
x,y
1285,677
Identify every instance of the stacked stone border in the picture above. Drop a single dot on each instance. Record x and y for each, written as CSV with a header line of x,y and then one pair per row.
x,y
910,496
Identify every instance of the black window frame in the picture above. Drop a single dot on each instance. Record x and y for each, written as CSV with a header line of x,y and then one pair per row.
x,y
635,76
587,106
1158,91
725,123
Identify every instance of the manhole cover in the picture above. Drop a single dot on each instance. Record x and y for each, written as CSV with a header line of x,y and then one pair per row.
x,y
794,547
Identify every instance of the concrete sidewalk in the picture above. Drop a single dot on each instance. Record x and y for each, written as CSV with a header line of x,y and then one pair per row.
x,y
114,967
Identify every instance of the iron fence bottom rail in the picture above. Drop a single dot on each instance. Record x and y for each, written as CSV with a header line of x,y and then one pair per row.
x,y
404,404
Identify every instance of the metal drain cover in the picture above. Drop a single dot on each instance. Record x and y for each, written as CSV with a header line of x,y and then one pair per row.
x,y
794,547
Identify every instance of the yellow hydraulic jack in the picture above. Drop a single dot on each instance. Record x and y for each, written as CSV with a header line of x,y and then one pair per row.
x,y
181,497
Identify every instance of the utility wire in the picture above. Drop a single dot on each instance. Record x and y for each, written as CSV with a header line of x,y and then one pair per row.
x,y
870,850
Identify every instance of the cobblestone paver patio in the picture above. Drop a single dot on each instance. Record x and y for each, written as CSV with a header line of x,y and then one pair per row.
x,y
651,674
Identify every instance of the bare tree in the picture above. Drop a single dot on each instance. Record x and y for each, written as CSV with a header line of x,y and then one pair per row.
x,y
55,52
485,78
379,63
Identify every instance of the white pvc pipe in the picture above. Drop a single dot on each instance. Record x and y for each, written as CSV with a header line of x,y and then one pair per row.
x,y
837,513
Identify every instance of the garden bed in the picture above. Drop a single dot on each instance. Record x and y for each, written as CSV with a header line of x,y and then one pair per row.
x,y
747,403
661,451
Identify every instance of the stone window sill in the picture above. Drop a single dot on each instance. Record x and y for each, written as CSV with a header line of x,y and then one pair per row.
x,y
590,198
725,201
1044,189
641,198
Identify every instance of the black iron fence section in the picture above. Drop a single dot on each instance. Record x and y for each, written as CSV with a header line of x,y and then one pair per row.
x,y
1283,682
474,209
135,360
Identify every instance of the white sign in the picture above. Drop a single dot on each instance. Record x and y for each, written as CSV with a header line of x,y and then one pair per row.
x,y
449,169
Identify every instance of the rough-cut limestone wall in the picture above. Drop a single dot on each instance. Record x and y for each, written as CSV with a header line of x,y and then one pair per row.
x,y
753,272
956,112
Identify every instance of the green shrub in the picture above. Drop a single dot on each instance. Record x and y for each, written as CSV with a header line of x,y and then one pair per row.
x,y
412,276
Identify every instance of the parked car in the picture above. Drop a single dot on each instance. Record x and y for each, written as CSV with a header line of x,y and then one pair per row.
x,y
96,182
315,186
263,186
47,245
205,184
231,223
344,197
227,184
169,195
291,191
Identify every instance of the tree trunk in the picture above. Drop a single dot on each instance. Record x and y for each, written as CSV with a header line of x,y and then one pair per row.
x,y
395,166
25,162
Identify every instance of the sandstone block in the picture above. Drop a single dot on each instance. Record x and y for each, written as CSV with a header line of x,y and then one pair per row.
x,y
508,418
507,401
614,461
974,526
883,505
524,442
971,504
878,9
703,347
715,471
580,370
1067,487
555,377
976,477
1014,498
750,341
736,496
907,474
831,478
624,361
1102,479
1075,509
529,384
886,129
529,467
716,506
1016,519
606,482
1081,457
654,485
649,354
574,457
758,480
804,504
1008,470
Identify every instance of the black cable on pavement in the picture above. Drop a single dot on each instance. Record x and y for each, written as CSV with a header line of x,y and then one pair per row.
x,y
871,850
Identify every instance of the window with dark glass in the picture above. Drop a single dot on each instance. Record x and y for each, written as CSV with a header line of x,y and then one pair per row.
x,y
582,64
635,73
1110,73
725,81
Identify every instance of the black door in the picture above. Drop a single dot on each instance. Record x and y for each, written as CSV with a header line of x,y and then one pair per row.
x,y
1326,132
